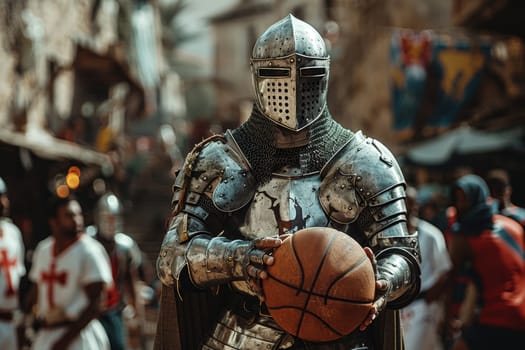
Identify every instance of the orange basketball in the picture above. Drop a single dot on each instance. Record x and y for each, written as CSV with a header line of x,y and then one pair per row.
x,y
321,286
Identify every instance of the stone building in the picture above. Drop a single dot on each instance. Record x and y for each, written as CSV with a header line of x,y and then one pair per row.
x,y
82,81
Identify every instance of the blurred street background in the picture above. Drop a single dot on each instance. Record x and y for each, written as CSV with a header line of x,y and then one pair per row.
x,y
112,94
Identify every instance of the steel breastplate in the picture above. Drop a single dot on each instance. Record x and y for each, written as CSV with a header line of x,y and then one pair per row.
x,y
285,204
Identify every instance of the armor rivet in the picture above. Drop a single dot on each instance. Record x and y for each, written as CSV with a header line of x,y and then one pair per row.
x,y
270,64
342,187
359,178
368,193
225,181
205,178
243,173
221,195
164,253
291,60
361,190
244,185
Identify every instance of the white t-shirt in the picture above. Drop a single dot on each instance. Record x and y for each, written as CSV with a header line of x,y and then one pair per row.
x,y
420,321
435,259
12,266
61,279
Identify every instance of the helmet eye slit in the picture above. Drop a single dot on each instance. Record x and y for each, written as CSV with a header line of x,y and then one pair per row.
x,y
312,72
274,72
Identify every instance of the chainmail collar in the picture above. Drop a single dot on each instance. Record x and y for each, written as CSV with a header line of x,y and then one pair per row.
x,y
256,138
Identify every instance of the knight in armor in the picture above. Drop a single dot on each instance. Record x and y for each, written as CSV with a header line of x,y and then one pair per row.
x,y
125,259
288,167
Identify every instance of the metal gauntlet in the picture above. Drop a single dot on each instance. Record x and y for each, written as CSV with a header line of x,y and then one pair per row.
x,y
401,269
218,260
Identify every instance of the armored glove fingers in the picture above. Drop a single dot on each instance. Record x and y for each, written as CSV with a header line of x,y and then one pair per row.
x,y
382,289
219,260
397,278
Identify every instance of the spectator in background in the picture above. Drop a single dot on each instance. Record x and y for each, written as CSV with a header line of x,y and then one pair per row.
x,y
422,318
125,259
12,268
501,193
461,303
494,245
69,275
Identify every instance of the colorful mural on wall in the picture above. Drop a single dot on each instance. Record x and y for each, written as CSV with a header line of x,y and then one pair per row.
x,y
434,76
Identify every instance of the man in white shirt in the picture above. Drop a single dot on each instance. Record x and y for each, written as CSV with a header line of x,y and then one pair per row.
x,y
12,268
71,272
421,319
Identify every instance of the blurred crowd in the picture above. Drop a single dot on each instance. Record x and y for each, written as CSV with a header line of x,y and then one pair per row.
x,y
82,287
473,268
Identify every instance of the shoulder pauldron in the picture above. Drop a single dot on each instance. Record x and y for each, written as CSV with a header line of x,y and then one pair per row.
x,y
218,169
363,173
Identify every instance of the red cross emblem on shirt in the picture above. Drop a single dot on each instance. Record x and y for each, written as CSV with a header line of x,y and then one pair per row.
x,y
50,278
5,266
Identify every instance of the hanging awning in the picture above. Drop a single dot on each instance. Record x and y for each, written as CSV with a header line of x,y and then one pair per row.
x,y
46,146
462,142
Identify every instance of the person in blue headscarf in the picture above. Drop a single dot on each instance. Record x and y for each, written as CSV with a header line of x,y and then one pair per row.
x,y
494,246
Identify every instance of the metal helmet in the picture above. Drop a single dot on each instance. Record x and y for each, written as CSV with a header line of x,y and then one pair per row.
x,y
290,73
108,216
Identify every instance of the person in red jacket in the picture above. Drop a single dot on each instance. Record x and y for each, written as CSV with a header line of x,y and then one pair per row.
x,y
493,245
501,192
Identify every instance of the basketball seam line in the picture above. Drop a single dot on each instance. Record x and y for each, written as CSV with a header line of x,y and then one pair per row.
x,y
355,266
296,256
316,316
325,254
315,294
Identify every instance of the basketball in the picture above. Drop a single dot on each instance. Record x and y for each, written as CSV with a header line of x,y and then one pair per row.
x,y
321,285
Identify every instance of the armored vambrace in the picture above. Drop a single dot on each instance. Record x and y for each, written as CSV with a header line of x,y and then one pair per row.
x,y
218,260
401,269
